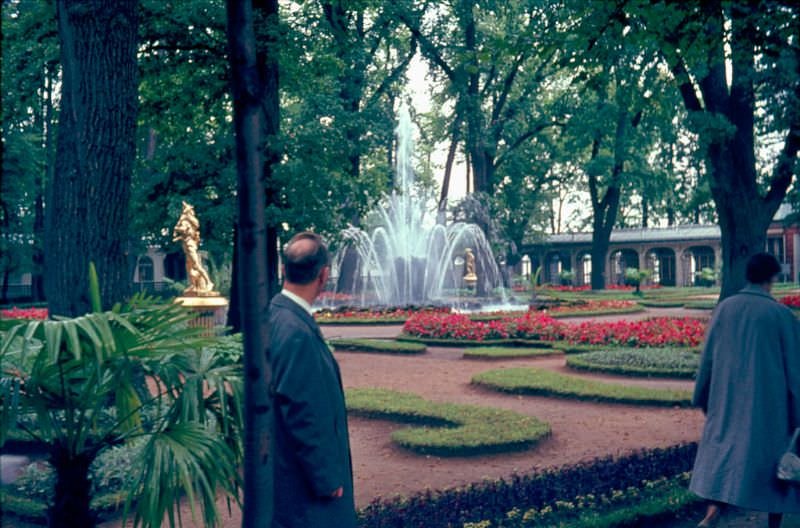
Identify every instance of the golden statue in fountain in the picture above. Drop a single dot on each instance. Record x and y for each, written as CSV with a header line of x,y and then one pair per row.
x,y
470,277
187,230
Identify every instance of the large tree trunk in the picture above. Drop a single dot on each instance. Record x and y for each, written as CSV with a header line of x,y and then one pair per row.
x,y
255,86
87,206
744,214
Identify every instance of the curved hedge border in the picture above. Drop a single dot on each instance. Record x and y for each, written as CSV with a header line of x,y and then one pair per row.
x,y
547,383
508,352
646,362
493,499
448,429
382,346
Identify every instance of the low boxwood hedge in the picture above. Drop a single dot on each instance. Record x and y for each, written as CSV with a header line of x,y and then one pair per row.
x,y
493,499
384,346
447,429
548,383
648,362
508,352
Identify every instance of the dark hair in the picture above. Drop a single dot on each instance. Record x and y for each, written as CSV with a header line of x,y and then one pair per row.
x,y
762,267
303,264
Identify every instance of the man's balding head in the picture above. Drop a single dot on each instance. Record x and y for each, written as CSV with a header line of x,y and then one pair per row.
x,y
304,256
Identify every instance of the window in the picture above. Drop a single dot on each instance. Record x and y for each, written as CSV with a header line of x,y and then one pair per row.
x,y
145,269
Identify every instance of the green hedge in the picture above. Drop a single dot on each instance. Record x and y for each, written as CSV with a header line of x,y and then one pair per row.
x,y
508,352
547,383
34,510
447,429
385,346
347,321
649,362
463,343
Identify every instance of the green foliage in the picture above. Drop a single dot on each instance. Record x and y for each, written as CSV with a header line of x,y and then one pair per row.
x,y
642,505
385,346
655,362
508,352
446,429
548,383
80,378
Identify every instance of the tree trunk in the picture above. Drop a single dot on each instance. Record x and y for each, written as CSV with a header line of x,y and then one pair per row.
x,y
255,84
234,322
87,206
448,169
72,494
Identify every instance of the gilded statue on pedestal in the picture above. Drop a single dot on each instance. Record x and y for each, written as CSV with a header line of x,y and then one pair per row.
x,y
187,230
470,276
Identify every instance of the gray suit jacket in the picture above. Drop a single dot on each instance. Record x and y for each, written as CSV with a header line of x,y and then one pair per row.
x,y
312,447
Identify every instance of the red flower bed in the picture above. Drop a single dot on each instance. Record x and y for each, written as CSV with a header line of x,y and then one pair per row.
x,y
655,332
24,313
792,301
586,287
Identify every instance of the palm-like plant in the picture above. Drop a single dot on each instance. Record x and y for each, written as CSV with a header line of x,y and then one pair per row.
x,y
108,378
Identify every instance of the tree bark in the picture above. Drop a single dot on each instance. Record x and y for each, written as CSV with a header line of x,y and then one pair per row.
x,y
87,205
254,83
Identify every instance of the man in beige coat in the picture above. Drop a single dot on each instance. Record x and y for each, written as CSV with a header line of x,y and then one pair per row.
x,y
749,387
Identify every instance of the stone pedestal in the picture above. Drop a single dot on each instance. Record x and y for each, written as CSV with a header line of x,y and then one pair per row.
x,y
212,312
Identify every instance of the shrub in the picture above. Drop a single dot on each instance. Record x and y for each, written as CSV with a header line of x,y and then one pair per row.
x,y
658,362
547,383
448,429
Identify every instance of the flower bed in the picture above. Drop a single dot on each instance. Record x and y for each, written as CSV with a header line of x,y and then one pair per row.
x,y
540,382
24,313
651,362
654,332
493,499
448,429
372,316
792,301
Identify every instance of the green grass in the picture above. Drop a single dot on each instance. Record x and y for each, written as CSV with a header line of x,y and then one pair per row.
x,y
701,305
384,346
447,429
547,383
498,352
650,362
677,303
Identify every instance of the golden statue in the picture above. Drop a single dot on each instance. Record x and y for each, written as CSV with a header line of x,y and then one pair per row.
x,y
469,267
187,230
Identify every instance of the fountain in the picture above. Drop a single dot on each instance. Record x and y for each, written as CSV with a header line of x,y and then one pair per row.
x,y
406,258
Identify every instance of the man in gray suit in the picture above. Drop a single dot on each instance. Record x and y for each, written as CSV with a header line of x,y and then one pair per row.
x,y
313,471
